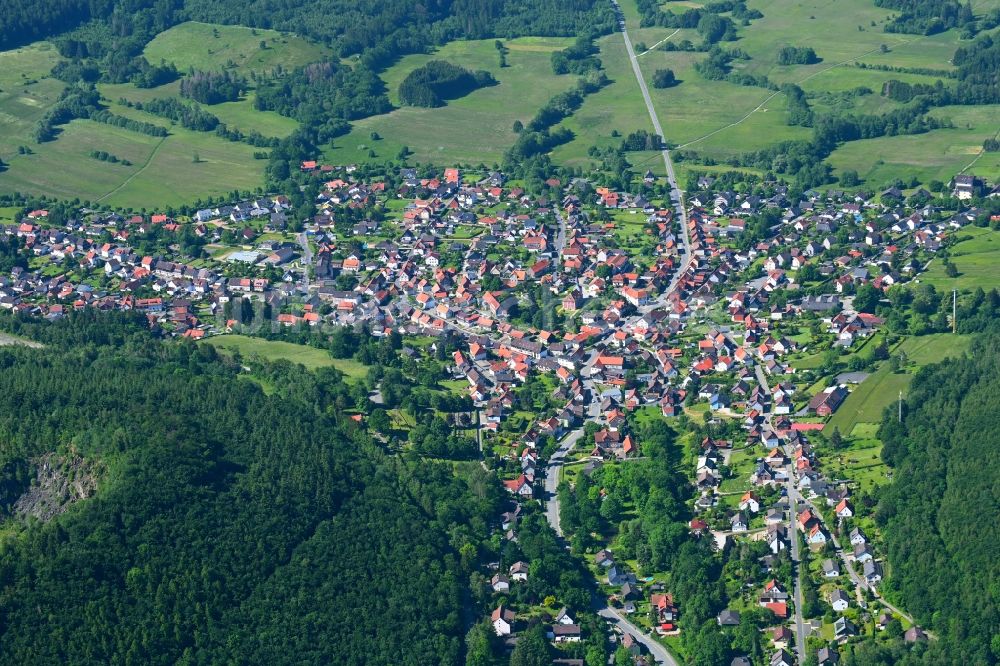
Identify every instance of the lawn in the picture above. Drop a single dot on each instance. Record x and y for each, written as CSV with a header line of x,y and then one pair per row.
x,y
474,129
976,257
273,350
212,47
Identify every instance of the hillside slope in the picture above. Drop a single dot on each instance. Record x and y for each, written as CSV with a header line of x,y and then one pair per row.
x,y
227,526
944,568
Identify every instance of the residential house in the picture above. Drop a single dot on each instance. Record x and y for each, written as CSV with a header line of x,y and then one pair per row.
x,y
839,600
827,656
781,658
503,621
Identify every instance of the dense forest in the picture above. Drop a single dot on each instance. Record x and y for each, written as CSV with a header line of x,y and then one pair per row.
x,y
926,17
380,30
945,569
227,526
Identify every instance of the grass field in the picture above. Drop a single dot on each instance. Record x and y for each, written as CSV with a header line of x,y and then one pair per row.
x,y
927,349
861,460
976,257
63,167
869,399
939,154
473,129
273,350
617,106
163,171
25,94
239,114
212,47
719,119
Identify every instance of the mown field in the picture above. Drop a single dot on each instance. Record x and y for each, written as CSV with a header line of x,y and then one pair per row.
x,y
868,401
977,258
617,106
719,119
163,170
471,130
239,114
274,350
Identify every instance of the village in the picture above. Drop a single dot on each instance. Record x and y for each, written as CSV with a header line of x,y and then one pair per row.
x,y
624,310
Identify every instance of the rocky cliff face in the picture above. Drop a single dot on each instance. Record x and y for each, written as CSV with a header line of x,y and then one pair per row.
x,y
60,480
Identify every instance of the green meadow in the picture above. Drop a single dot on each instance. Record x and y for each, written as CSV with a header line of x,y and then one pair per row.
x,y
25,94
208,46
163,172
868,400
977,258
939,154
617,106
276,350
473,129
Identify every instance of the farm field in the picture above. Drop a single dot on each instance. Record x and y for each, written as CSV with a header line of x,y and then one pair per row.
x,y
239,114
275,350
474,129
926,349
163,172
976,259
213,47
812,22
719,119
715,118
64,168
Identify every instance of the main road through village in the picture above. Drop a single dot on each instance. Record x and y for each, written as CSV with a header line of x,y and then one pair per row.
x,y
654,647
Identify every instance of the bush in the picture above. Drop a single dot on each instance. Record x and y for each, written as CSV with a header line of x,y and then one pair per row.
x,y
797,55
664,78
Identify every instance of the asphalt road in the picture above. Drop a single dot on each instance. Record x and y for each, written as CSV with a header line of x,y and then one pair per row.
x,y
675,192
653,647
303,240
800,629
